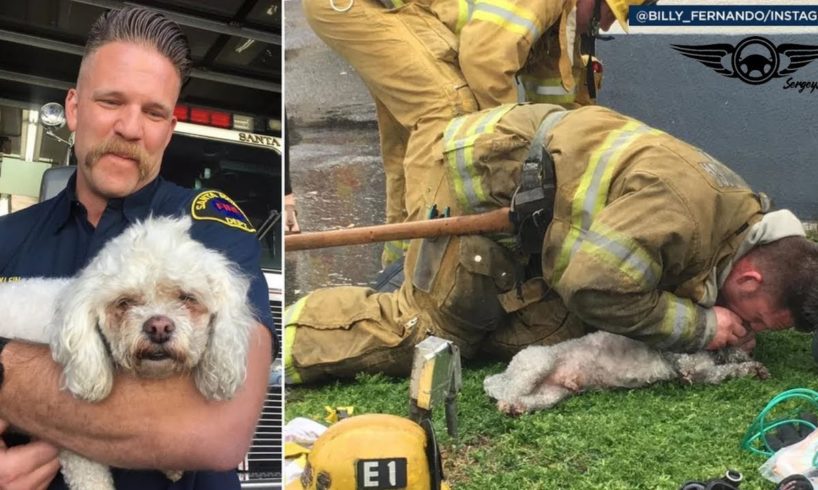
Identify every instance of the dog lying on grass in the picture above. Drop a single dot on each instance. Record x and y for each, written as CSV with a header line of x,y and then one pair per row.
x,y
539,377
153,302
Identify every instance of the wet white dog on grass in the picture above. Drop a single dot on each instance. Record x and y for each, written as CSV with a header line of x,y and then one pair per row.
x,y
539,377
153,302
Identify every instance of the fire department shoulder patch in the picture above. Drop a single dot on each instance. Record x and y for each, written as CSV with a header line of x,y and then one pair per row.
x,y
216,206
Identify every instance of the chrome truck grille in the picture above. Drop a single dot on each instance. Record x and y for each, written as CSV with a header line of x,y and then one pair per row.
x,y
262,467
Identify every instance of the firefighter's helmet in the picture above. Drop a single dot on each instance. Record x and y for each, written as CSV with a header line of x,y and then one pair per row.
x,y
620,9
374,451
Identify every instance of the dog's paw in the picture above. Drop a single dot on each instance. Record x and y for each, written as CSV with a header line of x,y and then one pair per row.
x,y
510,408
574,384
761,371
686,377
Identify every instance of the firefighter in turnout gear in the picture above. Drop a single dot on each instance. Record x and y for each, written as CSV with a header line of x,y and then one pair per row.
x,y
408,60
407,55
651,238
535,44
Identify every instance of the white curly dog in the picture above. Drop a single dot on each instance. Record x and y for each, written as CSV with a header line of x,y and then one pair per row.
x,y
153,302
539,377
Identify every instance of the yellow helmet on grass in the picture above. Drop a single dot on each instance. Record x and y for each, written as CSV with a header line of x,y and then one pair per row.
x,y
374,451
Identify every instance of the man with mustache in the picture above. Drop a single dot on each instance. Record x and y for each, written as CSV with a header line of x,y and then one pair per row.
x,y
122,114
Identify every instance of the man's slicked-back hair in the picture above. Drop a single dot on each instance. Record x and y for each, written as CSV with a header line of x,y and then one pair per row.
x,y
146,27
790,270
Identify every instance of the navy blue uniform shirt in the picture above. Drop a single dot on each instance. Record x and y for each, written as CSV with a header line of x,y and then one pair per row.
x,y
54,239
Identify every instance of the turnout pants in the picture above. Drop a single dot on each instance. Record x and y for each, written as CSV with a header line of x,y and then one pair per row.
x,y
466,289
407,59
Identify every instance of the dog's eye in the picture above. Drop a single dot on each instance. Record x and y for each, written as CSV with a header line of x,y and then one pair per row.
x,y
125,303
188,298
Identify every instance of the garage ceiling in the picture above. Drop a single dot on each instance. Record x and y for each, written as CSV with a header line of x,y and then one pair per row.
x,y
236,47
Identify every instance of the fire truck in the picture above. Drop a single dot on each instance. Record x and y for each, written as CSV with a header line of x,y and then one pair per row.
x,y
239,156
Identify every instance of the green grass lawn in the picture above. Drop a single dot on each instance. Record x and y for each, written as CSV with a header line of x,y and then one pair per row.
x,y
655,437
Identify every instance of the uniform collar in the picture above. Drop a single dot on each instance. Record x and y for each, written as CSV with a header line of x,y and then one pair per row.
x,y
134,207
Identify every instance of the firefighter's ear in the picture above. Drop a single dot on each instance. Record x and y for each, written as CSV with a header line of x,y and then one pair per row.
x,y
749,281
71,99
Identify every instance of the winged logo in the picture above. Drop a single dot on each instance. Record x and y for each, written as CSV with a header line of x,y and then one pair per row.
x,y
754,60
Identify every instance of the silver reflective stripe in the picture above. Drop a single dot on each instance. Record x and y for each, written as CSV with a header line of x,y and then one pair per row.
x,y
516,22
538,141
545,90
448,135
465,167
550,121
627,256
592,195
710,326
677,313
452,164
464,176
395,249
549,89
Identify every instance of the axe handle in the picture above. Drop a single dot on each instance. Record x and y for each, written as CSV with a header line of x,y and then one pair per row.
x,y
473,224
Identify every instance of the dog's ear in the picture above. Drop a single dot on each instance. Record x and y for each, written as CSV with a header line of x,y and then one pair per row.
x,y
77,343
222,368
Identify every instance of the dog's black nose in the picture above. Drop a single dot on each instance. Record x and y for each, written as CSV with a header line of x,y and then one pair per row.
x,y
158,328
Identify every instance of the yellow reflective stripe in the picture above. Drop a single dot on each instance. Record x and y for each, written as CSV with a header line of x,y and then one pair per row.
x,y
623,253
678,314
478,124
592,193
448,141
550,99
511,17
465,9
593,190
397,246
393,250
468,185
291,315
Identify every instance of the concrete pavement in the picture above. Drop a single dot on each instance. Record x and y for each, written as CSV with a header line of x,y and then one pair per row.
x,y
320,88
335,163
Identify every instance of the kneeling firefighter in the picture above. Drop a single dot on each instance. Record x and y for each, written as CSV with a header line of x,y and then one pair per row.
x,y
635,242
374,451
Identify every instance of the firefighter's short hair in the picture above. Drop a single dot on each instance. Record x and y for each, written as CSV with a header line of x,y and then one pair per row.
x,y
790,270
